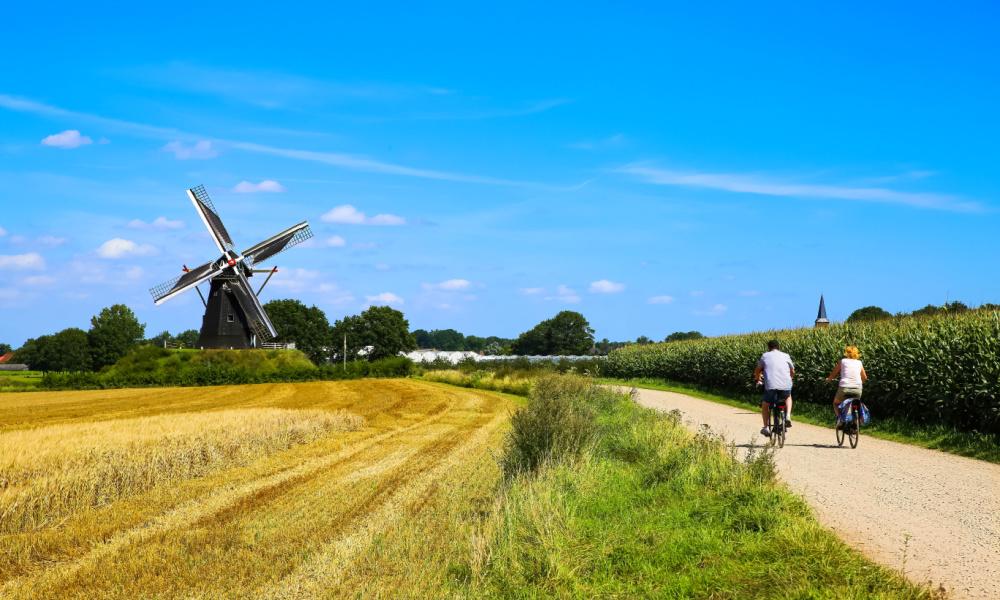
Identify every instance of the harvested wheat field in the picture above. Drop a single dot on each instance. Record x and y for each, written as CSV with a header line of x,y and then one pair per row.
x,y
322,489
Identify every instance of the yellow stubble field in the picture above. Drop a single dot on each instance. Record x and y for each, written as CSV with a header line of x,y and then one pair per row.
x,y
325,489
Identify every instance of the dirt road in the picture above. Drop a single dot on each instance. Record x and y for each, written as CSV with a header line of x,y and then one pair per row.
x,y
934,516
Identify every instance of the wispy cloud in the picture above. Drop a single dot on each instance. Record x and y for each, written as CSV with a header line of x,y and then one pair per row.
x,y
749,293
159,223
200,150
449,285
51,241
756,185
386,298
335,241
347,214
267,185
565,294
3,232
22,262
71,138
661,299
714,311
38,280
492,113
532,291
604,286
121,248
335,159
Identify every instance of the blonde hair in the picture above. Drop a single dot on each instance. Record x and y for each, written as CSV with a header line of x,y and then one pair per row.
x,y
852,352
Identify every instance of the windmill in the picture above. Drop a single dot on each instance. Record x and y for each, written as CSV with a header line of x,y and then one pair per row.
x,y
234,317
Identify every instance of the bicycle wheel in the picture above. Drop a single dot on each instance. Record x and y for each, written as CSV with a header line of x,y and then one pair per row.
x,y
855,429
774,432
781,428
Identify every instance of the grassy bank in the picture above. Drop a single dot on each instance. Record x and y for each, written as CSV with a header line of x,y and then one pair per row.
x,y
625,502
16,381
981,446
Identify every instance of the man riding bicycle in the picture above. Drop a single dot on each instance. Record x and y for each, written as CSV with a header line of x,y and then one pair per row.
x,y
776,370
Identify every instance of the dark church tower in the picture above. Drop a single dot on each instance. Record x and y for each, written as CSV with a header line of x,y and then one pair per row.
x,y
821,320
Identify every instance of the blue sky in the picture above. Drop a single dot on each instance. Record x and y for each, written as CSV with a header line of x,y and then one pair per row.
x,y
656,168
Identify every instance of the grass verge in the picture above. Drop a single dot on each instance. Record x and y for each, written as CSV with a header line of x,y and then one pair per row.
x,y
980,446
633,505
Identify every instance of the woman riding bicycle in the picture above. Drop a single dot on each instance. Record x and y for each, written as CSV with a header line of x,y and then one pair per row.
x,y
852,377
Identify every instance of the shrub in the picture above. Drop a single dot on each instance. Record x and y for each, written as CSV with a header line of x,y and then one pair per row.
x,y
558,422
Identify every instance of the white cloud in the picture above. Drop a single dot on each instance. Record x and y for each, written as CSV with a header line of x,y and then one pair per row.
x,y
295,280
532,291
336,241
51,241
661,299
384,298
752,184
565,294
349,215
134,272
200,150
3,232
157,223
450,285
22,262
603,286
66,140
267,185
119,248
384,219
715,311
38,280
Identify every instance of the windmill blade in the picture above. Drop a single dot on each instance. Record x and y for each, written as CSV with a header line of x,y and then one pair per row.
x,y
179,285
206,210
258,253
256,317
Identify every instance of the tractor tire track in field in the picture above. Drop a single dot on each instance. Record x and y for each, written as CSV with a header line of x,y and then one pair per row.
x,y
356,490
931,515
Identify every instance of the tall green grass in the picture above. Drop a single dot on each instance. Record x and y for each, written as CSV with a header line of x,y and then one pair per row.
x,y
940,371
642,508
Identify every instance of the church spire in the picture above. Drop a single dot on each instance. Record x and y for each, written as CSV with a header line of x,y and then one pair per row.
x,y
821,320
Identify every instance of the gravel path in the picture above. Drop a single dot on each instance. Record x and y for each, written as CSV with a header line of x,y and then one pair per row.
x,y
932,515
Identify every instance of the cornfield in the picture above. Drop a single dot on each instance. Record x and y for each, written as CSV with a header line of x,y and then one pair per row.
x,y
943,369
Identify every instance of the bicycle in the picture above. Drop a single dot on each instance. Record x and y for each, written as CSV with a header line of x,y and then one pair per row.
x,y
851,430
778,412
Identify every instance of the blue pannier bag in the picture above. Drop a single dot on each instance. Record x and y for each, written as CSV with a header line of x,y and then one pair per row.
x,y
845,411
865,416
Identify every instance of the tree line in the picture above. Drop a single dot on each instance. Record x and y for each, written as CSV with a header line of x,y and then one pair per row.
x,y
877,313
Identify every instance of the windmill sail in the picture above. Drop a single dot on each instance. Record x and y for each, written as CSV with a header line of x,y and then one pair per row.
x,y
256,317
206,209
292,236
188,280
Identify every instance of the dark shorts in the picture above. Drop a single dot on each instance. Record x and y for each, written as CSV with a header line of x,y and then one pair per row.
x,y
776,396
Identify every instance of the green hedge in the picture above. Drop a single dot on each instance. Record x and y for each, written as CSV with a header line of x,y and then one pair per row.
x,y
944,369
149,366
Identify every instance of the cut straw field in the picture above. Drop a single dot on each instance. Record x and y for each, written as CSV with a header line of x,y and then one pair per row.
x,y
321,489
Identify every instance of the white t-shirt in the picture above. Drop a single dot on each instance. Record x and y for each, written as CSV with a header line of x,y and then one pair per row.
x,y
850,373
777,368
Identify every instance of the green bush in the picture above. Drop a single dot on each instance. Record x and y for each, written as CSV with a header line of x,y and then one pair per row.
x,y
942,370
558,422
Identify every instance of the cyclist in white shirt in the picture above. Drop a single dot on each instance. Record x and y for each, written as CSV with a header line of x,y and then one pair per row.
x,y
851,376
775,370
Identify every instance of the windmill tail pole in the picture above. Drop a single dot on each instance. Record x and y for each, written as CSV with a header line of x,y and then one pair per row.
x,y
268,278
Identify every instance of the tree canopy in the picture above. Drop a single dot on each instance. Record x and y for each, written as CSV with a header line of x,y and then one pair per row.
x,y
113,332
680,336
567,333
869,313
4,349
306,326
382,330
67,350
